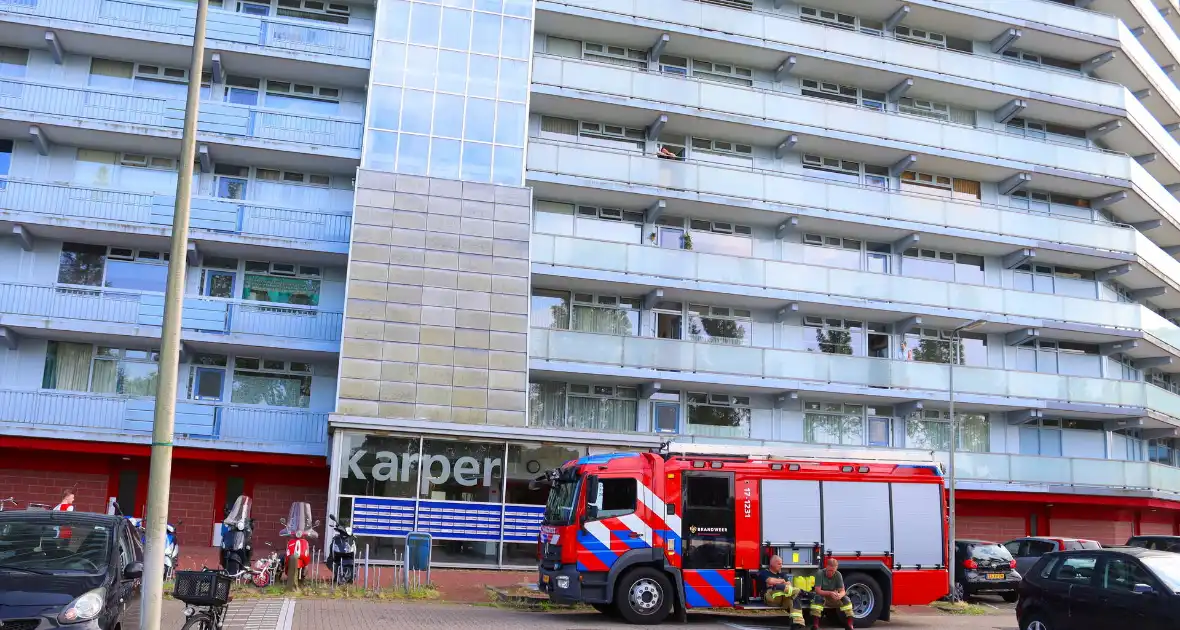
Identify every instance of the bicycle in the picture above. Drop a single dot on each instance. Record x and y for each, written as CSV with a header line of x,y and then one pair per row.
x,y
206,595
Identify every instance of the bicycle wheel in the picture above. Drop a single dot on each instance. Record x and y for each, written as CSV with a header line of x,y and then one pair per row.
x,y
200,621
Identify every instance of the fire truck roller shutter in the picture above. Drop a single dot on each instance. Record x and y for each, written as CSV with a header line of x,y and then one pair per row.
x,y
790,511
856,517
917,524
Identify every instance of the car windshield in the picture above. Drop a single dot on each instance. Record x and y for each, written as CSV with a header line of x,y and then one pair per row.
x,y
991,551
1167,569
1091,544
559,509
54,545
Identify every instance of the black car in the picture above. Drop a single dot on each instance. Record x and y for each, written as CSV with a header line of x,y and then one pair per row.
x,y
1092,589
984,567
1158,543
68,569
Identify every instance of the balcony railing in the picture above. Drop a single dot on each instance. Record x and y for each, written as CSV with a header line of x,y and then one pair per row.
x,y
767,274
224,27
202,424
1065,471
154,111
217,215
201,314
759,364
791,106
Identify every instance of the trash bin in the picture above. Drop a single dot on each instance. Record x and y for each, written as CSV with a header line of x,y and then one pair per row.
x,y
418,545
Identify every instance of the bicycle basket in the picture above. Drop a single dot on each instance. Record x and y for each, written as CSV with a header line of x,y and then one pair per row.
x,y
202,588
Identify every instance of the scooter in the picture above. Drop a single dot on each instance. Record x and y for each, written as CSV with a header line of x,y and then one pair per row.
x,y
171,550
299,527
236,533
342,557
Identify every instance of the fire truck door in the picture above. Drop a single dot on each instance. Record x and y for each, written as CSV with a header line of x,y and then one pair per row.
x,y
708,539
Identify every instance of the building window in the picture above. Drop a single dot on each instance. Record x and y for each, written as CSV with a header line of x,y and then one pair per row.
x,y
5,161
281,283
1055,279
101,369
710,237
847,171
936,110
847,253
615,55
144,78
931,430
1042,437
719,325
595,133
1163,451
669,320
722,151
722,72
718,415
842,21
331,12
846,94
847,424
946,266
14,62
550,309
83,264
1052,204
833,335
1059,357
128,172
587,407
271,383
300,97
1124,369
934,346
1034,59
592,222
942,185
606,314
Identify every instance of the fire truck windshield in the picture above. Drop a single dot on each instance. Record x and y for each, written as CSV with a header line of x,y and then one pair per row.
x,y
559,509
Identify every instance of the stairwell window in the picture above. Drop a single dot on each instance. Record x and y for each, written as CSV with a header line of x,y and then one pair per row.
x,y
606,314
719,325
718,415
14,62
271,383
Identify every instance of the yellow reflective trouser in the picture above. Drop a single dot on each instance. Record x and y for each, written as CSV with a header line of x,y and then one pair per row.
x,y
819,603
785,599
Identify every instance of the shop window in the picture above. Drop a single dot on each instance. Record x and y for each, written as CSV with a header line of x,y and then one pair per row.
x,y
719,325
271,383
462,471
378,466
281,283
718,415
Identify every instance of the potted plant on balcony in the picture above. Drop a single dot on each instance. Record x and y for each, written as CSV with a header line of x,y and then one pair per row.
x,y
686,242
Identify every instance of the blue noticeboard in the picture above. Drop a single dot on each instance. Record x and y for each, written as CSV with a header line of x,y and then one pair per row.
x,y
447,520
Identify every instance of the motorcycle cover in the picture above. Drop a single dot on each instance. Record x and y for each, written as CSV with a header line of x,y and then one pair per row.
x,y
239,515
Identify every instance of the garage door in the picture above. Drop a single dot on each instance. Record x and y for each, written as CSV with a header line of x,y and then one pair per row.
x,y
995,528
1114,532
1155,527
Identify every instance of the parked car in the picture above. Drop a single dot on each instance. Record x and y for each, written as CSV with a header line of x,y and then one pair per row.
x,y
1158,543
1092,589
68,569
1030,549
984,567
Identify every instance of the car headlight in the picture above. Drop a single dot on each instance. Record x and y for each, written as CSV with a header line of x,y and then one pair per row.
x,y
85,608
563,581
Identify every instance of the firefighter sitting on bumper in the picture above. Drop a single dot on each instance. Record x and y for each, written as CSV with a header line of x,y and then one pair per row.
x,y
830,593
779,591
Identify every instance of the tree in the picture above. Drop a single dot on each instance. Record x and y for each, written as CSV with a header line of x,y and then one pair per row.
x,y
833,341
713,328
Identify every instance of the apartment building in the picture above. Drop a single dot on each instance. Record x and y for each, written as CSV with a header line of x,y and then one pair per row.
x,y
439,246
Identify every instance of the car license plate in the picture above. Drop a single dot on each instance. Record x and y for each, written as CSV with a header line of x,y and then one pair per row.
x,y
545,579
995,576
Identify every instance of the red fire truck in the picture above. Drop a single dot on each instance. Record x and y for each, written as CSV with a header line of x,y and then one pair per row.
x,y
647,535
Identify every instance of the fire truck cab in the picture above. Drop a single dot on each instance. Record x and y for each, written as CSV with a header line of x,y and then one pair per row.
x,y
643,536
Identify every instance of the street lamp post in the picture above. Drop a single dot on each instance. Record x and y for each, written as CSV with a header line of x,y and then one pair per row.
x,y
953,446
164,418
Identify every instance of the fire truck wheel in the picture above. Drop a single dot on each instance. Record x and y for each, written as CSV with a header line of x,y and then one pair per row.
x,y
644,596
867,598
607,609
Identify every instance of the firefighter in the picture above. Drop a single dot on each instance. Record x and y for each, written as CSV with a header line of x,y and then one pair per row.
x,y
830,593
779,591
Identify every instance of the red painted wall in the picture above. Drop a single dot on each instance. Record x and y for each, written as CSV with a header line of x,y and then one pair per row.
x,y
993,528
1157,523
45,486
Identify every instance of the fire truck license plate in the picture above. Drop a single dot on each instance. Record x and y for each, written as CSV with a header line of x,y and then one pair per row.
x,y
995,576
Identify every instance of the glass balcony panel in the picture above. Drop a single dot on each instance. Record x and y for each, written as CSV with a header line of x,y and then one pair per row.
x,y
663,354
1032,469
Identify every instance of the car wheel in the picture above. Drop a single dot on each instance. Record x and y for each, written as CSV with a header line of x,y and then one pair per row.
x,y
1035,621
1010,597
644,596
868,599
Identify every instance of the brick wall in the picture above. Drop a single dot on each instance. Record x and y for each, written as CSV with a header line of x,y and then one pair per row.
x,y
996,528
191,501
1114,531
45,486
272,502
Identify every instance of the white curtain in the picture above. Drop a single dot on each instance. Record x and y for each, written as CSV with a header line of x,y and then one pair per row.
x,y
73,366
601,414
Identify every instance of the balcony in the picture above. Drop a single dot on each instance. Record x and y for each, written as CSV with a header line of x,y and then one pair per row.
x,y
1054,472
320,230
82,415
788,34
208,319
779,370
792,112
126,112
173,22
